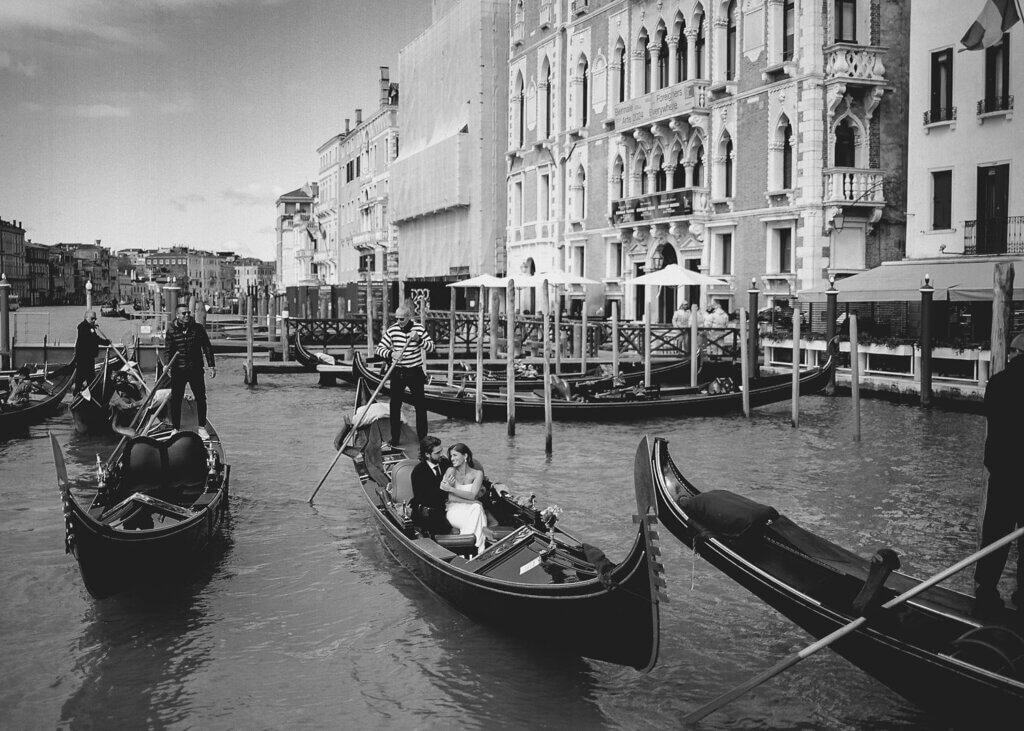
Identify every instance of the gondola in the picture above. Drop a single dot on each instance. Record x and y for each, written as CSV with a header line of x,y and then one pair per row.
x,y
158,502
619,404
313,358
53,387
929,649
536,580
114,312
90,408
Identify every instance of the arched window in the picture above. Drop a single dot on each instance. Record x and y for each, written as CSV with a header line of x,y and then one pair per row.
x,y
642,167
679,174
727,168
548,99
681,52
520,101
580,194
618,180
698,167
730,42
663,61
699,45
621,55
660,180
645,42
787,156
846,145
584,92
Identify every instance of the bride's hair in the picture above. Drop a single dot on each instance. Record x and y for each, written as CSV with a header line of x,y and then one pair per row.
x,y
462,449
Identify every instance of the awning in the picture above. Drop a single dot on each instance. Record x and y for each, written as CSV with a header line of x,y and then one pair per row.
x,y
901,281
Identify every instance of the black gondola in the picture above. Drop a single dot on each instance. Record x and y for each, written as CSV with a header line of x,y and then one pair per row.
x,y
52,387
616,405
929,649
536,580
158,502
90,408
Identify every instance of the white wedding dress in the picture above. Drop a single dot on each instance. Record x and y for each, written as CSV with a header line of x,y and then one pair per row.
x,y
468,517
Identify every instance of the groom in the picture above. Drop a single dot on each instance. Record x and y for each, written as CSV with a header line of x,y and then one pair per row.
x,y
428,502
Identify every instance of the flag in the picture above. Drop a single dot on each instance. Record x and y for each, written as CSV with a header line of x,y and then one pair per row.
x,y
997,17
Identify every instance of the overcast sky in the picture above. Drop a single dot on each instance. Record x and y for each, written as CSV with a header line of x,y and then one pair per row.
x,y
164,122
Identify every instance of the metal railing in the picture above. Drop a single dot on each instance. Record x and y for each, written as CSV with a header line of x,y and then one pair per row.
x,y
1003,103
994,235
940,114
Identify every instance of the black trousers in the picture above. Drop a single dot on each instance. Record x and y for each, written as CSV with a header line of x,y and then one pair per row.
x,y
413,380
179,379
1004,513
85,371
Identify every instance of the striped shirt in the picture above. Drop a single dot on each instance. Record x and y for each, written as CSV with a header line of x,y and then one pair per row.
x,y
394,340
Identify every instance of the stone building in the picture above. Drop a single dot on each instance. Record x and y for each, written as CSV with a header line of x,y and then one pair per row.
x,y
12,258
296,234
728,137
448,184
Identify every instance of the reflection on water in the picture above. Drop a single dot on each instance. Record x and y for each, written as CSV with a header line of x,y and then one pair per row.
x,y
305,620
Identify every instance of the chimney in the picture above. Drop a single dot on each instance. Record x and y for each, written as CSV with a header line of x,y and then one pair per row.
x,y
359,117
97,242
346,125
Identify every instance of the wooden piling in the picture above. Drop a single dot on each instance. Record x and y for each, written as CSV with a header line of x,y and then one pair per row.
x,y
1002,305
546,300
451,341
615,337
369,315
796,364
855,377
5,322
494,303
558,330
510,355
648,298
926,342
583,345
744,363
480,356
250,372
694,344
284,332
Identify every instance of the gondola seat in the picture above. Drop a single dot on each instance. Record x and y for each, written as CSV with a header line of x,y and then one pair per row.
x,y
401,492
165,469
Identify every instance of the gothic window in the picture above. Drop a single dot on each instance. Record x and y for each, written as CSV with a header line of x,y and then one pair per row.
x,y
620,53
548,98
680,59
519,100
698,167
730,42
644,41
845,153
699,44
663,61
584,75
679,174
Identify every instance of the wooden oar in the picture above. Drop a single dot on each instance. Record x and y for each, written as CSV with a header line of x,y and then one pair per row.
x,y
124,360
356,426
846,629
142,410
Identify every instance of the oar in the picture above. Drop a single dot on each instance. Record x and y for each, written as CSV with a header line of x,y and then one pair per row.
x,y
355,426
846,629
134,426
131,366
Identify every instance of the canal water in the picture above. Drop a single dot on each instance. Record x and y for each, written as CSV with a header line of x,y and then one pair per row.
x,y
305,621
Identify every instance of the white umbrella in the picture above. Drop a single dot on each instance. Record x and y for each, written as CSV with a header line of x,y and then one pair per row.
x,y
674,275
553,277
482,280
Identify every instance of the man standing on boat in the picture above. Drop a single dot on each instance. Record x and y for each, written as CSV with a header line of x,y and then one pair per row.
x,y
406,340
1003,506
87,347
189,341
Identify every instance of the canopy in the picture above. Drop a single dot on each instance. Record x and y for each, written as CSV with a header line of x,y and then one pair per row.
x,y
554,276
482,280
674,275
901,281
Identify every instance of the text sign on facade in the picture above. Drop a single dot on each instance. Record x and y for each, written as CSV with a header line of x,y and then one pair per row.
x,y
658,105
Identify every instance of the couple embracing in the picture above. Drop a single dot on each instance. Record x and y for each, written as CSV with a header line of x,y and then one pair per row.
x,y
447,491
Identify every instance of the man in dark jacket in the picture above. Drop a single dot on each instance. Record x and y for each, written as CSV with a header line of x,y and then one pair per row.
x,y
189,341
1003,507
428,502
87,347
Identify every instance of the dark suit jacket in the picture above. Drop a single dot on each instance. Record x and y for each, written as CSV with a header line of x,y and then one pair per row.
x,y
427,493
87,346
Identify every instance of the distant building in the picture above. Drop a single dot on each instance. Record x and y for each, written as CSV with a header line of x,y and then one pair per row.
x,y
254,273
40,285
12,258
296,233
448,184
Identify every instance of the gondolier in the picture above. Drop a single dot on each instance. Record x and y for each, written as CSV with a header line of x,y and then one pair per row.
x,y
87,347
407,340
189,341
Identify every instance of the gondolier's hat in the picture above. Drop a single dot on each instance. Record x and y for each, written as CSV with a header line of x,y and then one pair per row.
x,y
1018,343
403,311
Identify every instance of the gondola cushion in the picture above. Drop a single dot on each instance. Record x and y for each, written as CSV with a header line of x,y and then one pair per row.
x,y
153,466
728,515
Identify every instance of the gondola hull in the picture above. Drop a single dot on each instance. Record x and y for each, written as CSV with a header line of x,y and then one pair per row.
x,y
154,515
17,420
461,403
930,650
613,617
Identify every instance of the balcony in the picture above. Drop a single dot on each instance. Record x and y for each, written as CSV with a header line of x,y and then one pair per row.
x,y
364,239
579,7
994,236
678,100
849,63
940,115
995,104
518,33
653,206
853,186
547,14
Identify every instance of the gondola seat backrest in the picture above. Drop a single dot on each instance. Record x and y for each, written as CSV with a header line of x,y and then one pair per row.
x,y
153,466
401,480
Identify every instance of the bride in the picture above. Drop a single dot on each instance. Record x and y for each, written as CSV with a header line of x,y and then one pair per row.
x,y
464,483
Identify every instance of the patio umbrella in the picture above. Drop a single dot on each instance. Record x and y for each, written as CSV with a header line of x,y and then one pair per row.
x,y
482,280
674,275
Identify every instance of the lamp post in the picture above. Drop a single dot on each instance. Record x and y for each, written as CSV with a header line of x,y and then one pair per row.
x,y
88,294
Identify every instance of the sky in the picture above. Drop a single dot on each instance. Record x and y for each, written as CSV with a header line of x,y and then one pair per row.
x,y
152,123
